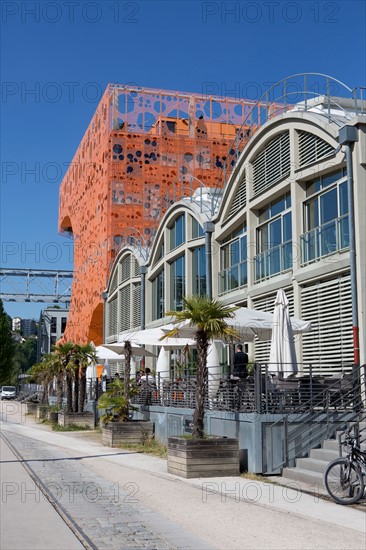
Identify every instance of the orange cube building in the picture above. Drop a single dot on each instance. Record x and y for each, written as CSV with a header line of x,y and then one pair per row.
x,y
143,149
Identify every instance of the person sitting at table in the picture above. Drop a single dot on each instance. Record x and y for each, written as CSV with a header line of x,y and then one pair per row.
x,y
240,363
147,377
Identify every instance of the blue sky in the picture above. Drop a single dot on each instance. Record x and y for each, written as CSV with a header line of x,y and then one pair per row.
x,y
58,57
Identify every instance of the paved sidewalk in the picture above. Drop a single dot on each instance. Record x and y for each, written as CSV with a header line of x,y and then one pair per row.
x,y
27,519
170,512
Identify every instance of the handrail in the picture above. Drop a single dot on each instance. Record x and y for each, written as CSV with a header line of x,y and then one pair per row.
x,y
307,426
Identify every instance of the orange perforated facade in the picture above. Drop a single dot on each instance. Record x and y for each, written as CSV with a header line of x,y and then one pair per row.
x,y
142,148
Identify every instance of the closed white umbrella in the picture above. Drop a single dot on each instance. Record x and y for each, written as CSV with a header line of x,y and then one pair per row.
x,y
282,356
214,370
163,364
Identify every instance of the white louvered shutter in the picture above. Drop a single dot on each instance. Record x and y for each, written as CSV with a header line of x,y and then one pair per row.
x,y
136,305
126,268
272,164
125,309
112,317
114,282
240,198
328,305
312,148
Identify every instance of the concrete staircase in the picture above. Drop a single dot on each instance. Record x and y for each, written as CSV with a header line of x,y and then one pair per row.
x,y
310,470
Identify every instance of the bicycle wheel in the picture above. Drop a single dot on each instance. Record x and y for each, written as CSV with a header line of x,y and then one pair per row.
x,y
344,481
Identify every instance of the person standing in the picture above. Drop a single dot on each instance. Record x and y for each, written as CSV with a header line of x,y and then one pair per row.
x,y
240,362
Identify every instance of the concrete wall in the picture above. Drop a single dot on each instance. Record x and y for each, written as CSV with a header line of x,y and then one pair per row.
x,y
261,445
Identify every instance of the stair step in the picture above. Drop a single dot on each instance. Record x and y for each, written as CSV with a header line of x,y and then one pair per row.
x,y
312,464
324,454
310,470
331,444
306,476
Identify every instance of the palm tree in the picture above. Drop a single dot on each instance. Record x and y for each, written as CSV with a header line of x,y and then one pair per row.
x,y
66,354
84,355
209,318
45,373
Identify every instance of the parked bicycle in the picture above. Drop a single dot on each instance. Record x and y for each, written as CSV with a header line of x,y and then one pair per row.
x,y
344,476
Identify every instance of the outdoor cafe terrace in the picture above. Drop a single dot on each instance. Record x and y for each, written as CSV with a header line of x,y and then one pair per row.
x,y
339,389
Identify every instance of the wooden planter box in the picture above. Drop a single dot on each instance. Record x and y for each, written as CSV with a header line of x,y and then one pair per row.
x,y
30,408
80,419
41,412
120,433
52,416
211,457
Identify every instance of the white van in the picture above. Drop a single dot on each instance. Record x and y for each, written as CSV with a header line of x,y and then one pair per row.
x,y
8,392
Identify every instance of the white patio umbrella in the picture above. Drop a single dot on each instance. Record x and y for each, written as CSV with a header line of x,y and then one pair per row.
x,y
282,357
103,353
119,349
152,337
249,323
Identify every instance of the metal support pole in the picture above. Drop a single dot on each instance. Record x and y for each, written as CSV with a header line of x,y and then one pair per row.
x,y
208,229
143,271
348,135
104,297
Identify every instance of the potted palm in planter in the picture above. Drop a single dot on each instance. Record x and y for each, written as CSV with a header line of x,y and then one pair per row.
x,y
117,426
200,455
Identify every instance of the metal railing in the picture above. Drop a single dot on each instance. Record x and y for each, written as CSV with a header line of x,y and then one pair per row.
x,y
325,239
233,277
261,392
330,405
274,260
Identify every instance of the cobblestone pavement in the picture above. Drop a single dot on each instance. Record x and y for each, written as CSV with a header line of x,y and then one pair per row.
x,y
120,499
108,516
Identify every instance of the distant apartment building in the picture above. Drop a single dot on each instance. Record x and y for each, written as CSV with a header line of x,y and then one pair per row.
x,y
16,324
51,327
28,327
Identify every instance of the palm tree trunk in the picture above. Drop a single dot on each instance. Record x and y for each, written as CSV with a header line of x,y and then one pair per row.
x,y
59,384
128,353
76,390
202,348
82,389
69,392
46,393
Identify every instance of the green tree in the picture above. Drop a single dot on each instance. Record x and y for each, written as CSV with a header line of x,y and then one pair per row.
x,y
209,319
7,347
45,372
25,355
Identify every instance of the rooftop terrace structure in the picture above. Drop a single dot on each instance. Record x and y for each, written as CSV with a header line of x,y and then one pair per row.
x,y
143,149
